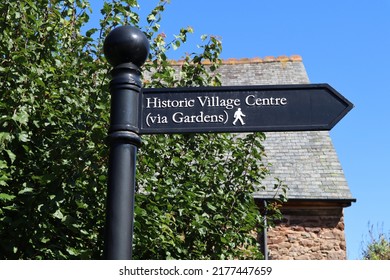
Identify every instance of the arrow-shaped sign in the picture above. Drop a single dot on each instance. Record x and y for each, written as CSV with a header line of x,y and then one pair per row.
x,y
241,109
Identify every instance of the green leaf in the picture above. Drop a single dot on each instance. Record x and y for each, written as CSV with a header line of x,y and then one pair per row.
x,y
23,137
11,155
211,207
58,214
26,190
6,197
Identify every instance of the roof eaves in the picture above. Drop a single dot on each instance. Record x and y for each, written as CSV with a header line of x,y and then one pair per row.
x,y
234,61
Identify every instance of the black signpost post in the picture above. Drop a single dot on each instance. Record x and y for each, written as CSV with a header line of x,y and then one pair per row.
x,y
126,49
190,110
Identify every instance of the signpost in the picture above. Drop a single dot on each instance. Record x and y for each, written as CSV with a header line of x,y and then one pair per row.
x,y
241,109
190,110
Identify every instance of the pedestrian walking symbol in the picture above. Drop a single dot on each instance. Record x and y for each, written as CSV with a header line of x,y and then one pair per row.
x,y
238,117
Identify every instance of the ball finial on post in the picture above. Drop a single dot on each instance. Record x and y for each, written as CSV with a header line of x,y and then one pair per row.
x,y
126,44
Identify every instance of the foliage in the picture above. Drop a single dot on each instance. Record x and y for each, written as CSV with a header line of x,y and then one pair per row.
x,y
378,247
194,194
194,214
52,125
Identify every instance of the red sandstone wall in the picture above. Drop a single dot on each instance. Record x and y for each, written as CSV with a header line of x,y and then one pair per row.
x,y
308,237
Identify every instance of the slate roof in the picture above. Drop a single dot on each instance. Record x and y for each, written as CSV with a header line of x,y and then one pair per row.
x,y
305,161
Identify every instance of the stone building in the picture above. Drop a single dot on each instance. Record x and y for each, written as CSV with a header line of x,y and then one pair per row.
x,y
306,161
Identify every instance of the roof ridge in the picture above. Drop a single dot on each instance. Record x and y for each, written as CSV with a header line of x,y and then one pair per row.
x,y
230,61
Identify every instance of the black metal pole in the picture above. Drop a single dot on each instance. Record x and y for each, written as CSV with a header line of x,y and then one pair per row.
x,y
126,49
265,236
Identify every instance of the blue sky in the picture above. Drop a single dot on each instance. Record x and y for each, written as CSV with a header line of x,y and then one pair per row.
x,y
343,43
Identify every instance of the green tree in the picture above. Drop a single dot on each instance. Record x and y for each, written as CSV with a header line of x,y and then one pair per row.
x,y
378,246
194,195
